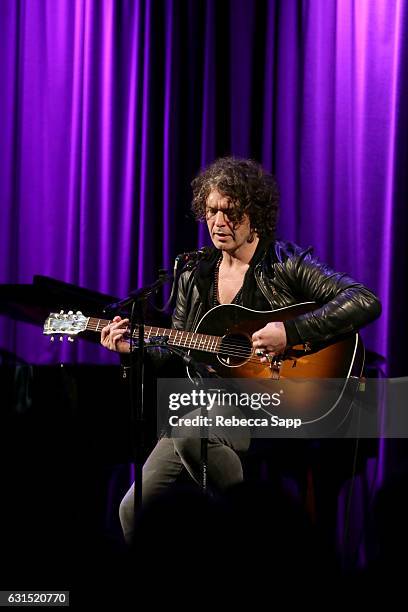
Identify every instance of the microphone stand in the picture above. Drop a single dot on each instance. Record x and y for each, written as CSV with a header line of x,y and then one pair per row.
x,y
137,300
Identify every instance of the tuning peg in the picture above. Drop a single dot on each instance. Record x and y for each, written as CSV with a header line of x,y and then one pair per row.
x,y
61,312
70,339
52,338
78,312
70,312
61,338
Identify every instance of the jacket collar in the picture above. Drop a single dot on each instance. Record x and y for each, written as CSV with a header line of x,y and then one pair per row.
x,y
204,273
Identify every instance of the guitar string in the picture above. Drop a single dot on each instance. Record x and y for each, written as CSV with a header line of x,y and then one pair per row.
x,y
227,347
226,344
240,350
92,327
196,344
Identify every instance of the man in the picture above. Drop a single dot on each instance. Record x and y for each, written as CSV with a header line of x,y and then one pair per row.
x,y
239,202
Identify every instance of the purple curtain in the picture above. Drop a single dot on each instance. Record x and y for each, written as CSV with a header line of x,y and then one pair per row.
x,y
109,108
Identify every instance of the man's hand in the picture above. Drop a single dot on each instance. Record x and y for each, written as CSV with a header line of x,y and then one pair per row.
x,y
271,339
112,336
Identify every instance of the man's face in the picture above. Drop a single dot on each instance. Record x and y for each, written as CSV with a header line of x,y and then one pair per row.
x,y
222,231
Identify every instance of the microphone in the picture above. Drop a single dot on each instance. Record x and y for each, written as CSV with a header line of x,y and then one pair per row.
x,y
203,370
193,256
183,261
140,295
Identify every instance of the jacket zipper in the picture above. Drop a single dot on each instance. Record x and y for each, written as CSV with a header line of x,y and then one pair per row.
x,y
262,285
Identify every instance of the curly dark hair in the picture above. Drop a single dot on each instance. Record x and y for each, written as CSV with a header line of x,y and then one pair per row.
x,y
251,189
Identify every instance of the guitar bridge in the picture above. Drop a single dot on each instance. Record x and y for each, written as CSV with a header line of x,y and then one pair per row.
x,y
275,366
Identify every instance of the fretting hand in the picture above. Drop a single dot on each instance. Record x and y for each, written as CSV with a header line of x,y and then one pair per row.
x,y
112,336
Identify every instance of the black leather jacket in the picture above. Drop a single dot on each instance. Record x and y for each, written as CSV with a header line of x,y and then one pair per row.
x,y
287,275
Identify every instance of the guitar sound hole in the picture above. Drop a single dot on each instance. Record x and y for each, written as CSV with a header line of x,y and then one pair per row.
x,y
235,350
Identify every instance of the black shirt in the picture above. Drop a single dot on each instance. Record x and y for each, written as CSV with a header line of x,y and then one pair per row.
x,y
250,294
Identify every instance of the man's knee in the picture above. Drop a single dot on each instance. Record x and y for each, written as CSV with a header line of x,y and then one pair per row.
x,y
126,514
187,447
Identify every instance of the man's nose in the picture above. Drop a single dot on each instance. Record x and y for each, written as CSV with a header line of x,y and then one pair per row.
x,y
220,218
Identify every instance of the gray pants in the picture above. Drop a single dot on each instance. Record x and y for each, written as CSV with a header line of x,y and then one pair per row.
x,y
173,455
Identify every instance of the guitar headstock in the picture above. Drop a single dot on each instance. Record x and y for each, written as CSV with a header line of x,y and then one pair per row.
x,y
65,324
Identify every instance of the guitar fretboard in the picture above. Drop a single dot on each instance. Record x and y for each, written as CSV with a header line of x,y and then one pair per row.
x,y
186,339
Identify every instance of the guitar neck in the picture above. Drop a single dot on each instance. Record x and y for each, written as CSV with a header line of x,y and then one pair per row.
x,y
176,337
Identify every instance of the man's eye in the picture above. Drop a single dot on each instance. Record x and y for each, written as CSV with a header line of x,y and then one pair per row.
x,y
228,213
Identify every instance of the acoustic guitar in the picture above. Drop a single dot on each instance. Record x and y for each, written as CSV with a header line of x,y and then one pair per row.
x,y
222,340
